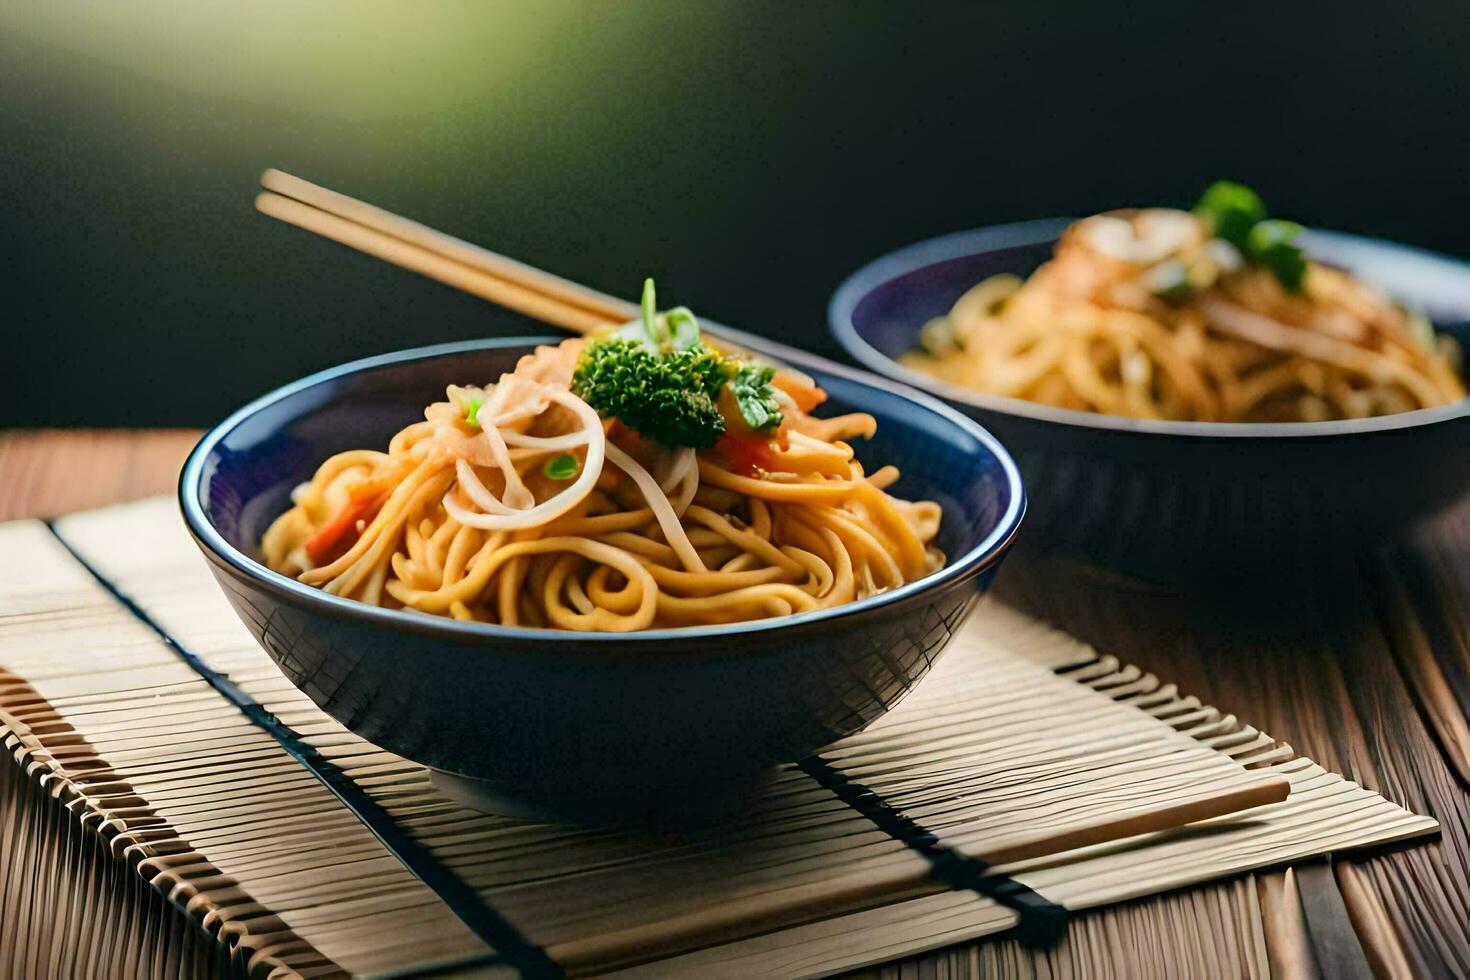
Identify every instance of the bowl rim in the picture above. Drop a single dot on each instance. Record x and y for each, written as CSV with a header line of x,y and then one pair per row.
x,y
931,251
977,559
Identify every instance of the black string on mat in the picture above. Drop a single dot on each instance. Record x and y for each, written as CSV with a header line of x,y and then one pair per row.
x,y
511,947
1041,922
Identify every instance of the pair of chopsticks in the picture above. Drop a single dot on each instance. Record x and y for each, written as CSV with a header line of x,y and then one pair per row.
x,y
442,257
489,275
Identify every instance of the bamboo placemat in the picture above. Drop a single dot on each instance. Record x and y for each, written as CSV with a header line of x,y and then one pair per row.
x,y
136,702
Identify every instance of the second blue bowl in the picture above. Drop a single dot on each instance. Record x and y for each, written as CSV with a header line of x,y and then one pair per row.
x,y
1208,502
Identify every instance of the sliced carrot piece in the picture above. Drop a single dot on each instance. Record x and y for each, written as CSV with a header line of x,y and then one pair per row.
x,y
747,455
363,502
806,394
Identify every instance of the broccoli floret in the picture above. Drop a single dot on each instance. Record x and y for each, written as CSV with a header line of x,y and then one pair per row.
x,y
669,397
1273,244
1232,209
655,375
1236,214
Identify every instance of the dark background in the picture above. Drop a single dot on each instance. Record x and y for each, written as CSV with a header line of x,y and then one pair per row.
x,y
748,155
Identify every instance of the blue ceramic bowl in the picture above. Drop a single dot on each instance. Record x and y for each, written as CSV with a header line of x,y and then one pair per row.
x,y
1177,501
554,723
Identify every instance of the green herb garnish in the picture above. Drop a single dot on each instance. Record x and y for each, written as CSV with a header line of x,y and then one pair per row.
x,y
562,467
1273,244
675,330
1237,214
756,397
1232,209
472,412
681,328
649,308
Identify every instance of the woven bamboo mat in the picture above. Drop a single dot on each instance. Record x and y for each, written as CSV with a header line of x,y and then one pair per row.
x,y
1025,776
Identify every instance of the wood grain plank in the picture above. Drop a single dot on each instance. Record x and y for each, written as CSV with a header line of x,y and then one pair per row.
x,y
1310,662
1424,587
53,472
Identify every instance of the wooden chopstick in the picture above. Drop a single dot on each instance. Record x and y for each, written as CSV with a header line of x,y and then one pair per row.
x,y
1215,803
432,264
486,274
611,309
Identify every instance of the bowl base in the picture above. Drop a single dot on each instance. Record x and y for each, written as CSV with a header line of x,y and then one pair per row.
x,y
682,805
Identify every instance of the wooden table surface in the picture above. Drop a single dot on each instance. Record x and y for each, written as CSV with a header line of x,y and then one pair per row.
x,y
1365,668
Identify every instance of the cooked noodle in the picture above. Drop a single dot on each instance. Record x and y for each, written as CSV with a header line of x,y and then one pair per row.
x,y
466,520
1144,314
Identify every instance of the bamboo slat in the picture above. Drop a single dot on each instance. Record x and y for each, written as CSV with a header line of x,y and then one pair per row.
x,y
1105,743
1322,807
184,788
